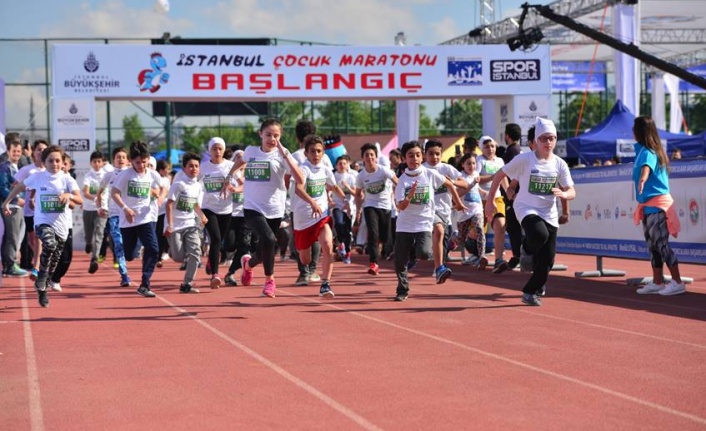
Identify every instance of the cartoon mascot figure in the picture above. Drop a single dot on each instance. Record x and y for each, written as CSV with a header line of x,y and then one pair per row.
x,y
152,79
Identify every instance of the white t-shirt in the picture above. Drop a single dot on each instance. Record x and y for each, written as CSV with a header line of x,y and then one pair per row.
x,y
419,214
537,178
472,199
20,177
238,198
186,194
264,182
442,197
92,180
135,191
47,188
213,176
350,179
300,157
377,186
316,178
106,200
489,167
166,184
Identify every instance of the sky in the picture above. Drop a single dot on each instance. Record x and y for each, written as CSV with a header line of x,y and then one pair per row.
x,y
346,22
352,22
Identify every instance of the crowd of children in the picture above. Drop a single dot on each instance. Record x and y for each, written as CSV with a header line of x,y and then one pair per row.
x,y
244,203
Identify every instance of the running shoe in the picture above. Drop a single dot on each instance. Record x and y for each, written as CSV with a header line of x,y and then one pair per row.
x,y
229,280
530,299
482,263
43,298
442,273
245,275
325,290
215,282
101,259
92,267
411,264
314,277
673,288
56,287
125,281
401,297
341,250
302,280
146,292
33,273
347,258
500,266
650,288
269,289
187,288
374,269
513,263
16,271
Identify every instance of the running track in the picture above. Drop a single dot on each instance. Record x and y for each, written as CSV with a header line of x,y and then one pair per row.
x,y
459,356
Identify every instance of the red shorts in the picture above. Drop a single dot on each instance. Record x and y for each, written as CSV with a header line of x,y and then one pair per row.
x,y
305,238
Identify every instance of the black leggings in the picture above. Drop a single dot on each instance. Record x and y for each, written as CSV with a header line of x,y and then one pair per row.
x,y
265,230
65,259
238,241
540,242
377,221
217,228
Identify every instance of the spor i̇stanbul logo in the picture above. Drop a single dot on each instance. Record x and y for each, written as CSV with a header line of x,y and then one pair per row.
x,y
152,79
91,64
693,212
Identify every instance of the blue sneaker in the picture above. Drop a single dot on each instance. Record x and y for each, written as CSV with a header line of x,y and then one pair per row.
x,y
325,290
33,273
411,264
16,271
442,273
125,281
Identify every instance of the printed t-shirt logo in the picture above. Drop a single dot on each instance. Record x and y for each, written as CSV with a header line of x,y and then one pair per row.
x,y
441,190
50,204
490,168
375,187
185,203
539,185
213,184
138,189
93,188
315,187
421,195
258,171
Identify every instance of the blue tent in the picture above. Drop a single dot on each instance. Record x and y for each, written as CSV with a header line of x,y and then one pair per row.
x,y
175,159
601,142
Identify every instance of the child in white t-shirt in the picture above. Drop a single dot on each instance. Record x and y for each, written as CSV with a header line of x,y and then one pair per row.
x,y
310,208
133,192
444,198
182,230
264,199
374,201
93,222
488,165
344,208
54,190
108,208
239,238
164,169
472,217
414,196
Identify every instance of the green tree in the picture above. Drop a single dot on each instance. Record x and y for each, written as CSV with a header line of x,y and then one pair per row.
x,y
697,114
461,116
427,126
190,140
594,112
344,117
132,129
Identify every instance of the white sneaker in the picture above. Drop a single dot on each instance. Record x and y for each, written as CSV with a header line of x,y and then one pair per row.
x,y
673,288
314,277
165,257
55,286
650,288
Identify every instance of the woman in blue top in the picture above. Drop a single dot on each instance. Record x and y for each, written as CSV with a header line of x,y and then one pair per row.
x,y
655,206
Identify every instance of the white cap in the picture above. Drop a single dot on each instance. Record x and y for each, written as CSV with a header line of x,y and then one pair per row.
x,y
485,138
216,141
543,126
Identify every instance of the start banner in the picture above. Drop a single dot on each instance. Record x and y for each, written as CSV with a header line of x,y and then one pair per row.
x,y
191,72
602,224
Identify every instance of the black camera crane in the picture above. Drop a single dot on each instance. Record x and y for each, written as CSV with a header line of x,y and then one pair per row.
x,y
533,35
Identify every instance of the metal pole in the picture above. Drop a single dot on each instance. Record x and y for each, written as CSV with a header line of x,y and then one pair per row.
x,y
46,87
168,129
110,139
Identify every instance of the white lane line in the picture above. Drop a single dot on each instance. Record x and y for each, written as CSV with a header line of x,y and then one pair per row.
x,y
501,358
350,414
36,416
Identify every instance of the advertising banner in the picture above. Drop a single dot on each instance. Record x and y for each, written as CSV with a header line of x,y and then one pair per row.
x,y
601,215
579,76
74,129
180,72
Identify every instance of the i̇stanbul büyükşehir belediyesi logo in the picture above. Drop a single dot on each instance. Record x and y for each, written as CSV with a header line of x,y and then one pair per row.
x,y
152,79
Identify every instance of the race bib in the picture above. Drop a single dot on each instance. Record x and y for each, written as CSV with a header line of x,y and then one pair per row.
x,y
50,204
258,171
213,184
441,190
541,185
376,187
315,188
185,203
238,198
137,189
420,197
93,188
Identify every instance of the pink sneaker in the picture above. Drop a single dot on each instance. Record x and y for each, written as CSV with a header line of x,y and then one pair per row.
x,y
215,281
269,289
245,275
